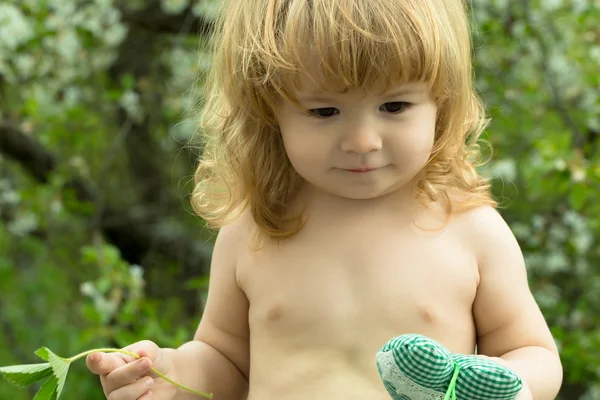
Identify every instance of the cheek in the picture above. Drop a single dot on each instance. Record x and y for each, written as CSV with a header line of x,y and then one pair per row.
x,y
291,136
416,143
421,133
304,151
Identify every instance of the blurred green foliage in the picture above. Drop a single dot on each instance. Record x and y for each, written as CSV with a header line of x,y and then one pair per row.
x,y
111,97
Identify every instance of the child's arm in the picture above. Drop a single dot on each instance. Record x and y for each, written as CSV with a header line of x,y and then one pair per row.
x,y
509,323
218,359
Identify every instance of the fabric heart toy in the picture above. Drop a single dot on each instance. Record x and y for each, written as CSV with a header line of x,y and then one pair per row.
x,y
415,367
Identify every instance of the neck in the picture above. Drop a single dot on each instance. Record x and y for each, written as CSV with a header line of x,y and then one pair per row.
x,y
399,202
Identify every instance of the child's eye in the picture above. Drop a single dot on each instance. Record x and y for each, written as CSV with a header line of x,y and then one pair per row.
x,y
324,112
395,107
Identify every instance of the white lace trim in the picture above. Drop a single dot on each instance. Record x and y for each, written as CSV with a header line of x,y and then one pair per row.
x,y
404,385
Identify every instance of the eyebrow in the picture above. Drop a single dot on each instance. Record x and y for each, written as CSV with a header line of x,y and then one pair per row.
x,y
314,97
404,91
320,97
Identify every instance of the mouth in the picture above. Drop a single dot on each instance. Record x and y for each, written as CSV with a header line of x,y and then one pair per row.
x,y
361,170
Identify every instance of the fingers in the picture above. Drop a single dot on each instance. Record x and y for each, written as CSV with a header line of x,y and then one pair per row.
x,y
139,390
149,349
102,363
123,376
145,348
147,396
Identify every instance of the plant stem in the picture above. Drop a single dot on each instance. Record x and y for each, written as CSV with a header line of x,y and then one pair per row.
x,y
109,350
451,393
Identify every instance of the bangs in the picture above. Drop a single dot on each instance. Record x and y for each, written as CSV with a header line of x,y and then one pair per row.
x,y
349,45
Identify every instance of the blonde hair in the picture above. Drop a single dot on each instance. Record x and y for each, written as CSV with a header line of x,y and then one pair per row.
x,y
259,49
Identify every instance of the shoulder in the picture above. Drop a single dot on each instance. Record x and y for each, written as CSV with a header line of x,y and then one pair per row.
x,y
234,237
479,220
487,234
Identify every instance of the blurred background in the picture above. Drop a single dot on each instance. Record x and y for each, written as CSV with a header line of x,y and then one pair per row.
x,y
98,244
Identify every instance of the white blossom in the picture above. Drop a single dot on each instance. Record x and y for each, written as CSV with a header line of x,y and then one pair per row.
x,y
582,269
104,4
558,234
578,175
23,224
174,6
578,7
130,101
73,96
10,197
136,272
594,391
114,35
104,307
505,169
68,45
521,230
56,207
551,5
538,222
207,8
63,7
574,219
88,289
560,164
556,262
25,65
15,30
548,296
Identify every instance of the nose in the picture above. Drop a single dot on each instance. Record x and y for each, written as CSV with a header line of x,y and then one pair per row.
x,y
361,139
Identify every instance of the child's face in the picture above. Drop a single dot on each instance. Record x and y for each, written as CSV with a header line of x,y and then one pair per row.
x,y
357,146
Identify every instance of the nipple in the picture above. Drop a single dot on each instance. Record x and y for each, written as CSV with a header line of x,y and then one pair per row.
x,y
428,315
274,312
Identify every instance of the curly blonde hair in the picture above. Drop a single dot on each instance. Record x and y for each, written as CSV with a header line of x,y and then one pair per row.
x,y
259,50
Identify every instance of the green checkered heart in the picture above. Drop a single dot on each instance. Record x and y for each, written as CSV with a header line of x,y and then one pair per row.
x,y
415,367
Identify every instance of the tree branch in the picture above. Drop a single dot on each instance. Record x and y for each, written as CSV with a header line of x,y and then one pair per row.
x,y
154,19
134,236
136,58
25,150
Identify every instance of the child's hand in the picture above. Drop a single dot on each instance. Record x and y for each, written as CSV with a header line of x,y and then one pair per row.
x,y
525,393
124,377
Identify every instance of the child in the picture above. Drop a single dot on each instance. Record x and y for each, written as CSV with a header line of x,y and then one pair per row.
x,y
339,163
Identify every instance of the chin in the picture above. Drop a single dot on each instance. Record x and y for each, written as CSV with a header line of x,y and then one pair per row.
x,y
357,193
363,196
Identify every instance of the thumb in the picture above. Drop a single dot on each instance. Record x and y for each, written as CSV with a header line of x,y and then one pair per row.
x,y
102,363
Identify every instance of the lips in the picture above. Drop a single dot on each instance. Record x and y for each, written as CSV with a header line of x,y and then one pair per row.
x,y
362,169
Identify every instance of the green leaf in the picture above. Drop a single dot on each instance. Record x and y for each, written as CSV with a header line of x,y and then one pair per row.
x,y
25,375
48,390
578,196
57,368
42,353
197,283
60,367
128,81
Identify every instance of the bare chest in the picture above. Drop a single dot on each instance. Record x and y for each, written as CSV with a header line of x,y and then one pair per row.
x,y
341,287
